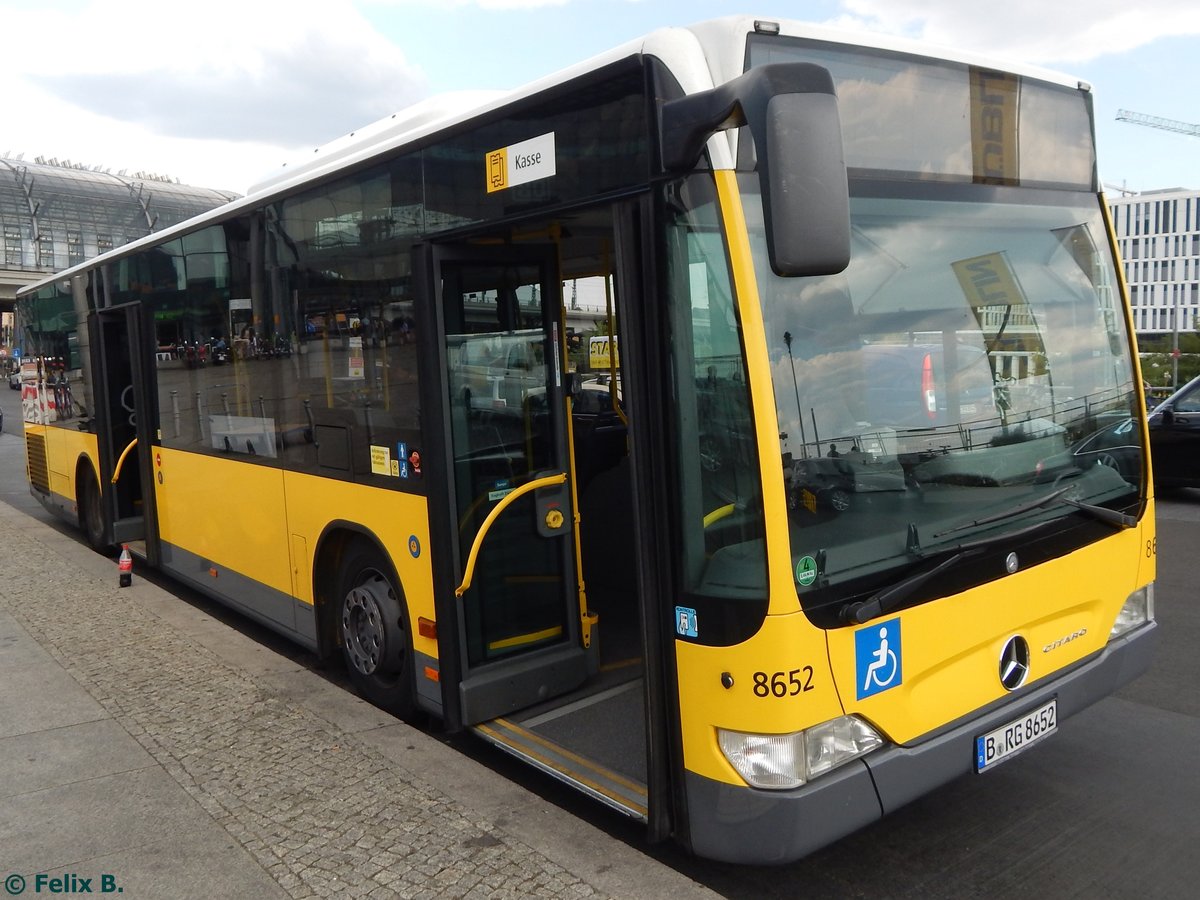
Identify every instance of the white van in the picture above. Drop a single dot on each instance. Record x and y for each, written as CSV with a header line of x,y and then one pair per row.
x,y
498,371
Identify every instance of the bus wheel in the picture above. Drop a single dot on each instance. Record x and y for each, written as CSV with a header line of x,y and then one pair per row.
x,y
91,511
375,642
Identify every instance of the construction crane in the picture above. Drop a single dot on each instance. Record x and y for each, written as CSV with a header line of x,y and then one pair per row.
x,y
1125,115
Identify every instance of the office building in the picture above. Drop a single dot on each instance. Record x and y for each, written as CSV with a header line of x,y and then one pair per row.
x,y
1158,237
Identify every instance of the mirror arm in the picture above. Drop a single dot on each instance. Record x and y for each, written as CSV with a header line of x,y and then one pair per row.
x,y
791,110
686,124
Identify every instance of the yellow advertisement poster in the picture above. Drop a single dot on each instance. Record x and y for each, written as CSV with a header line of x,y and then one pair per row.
x,y
988,280
599,355
1000,306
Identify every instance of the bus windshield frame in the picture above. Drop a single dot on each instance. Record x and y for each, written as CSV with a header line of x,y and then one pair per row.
x,y
973,364
969,368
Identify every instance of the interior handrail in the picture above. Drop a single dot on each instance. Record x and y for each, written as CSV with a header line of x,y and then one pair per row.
x,y
121,460
505,502
719,513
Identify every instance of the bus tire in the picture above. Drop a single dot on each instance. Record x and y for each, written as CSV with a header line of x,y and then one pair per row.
x,y
375,640
91,510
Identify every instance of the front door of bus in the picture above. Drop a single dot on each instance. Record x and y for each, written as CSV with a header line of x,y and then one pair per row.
x,y
509,476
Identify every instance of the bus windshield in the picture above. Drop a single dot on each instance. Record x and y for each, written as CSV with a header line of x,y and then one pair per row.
x,y
969,363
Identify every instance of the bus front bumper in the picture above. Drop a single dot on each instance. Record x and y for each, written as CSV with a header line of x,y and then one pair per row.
x,y
747,825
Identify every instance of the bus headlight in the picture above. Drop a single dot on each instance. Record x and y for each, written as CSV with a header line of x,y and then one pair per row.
x,y
782,761
1138,610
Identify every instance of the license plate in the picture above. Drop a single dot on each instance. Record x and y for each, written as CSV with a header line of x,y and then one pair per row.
x,y
1010,739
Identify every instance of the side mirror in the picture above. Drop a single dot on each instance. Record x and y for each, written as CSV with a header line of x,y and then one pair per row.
x,y
805,195
791,110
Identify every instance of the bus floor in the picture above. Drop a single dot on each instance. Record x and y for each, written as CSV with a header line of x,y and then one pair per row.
x,y
593,738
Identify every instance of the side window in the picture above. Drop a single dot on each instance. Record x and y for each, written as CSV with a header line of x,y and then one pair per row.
x,y
204,404
719,493
287,336
1189,402
50,325
338,264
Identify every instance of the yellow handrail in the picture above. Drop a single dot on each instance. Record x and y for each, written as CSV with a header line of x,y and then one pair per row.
x,y
121,460
510,498
718,514
582,587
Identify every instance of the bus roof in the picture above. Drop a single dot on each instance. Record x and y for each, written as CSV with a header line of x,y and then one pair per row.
x,y
699,56
723,42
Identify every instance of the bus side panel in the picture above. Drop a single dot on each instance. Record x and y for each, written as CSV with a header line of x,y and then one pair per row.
x,y
224,519
400,521
61,449
1148,553
779,681
948,651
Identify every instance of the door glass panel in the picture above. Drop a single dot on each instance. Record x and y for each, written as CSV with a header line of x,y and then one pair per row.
x,y
505,431
121,392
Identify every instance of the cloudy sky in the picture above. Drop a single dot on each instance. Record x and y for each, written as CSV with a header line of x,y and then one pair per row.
x,y
222,92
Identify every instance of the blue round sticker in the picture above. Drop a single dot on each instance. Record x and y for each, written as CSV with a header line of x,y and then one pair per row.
x,y
414,546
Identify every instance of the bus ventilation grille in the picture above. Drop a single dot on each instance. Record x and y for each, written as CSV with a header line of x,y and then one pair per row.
x,y
39,471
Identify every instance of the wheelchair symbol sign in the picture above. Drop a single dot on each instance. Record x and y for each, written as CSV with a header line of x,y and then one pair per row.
x,y
877,660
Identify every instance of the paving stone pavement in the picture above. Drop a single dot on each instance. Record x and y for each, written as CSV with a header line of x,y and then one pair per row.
x,y
322,809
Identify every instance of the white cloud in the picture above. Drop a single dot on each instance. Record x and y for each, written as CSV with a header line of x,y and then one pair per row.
x,y
250,80
1038,31
218,93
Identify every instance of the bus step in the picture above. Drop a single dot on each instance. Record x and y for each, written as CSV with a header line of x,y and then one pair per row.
x,y
610,788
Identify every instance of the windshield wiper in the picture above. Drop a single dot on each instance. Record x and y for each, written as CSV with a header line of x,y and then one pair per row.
x,y
891,597
1100,513
1103,513
1008,513
894,595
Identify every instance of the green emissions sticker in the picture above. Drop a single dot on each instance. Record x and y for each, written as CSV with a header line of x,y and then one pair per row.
x,y
806,571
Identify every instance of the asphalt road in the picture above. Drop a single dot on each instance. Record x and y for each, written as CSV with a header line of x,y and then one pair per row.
x,y
1105,808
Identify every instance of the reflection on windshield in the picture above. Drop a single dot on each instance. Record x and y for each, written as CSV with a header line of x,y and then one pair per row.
x,y
971,359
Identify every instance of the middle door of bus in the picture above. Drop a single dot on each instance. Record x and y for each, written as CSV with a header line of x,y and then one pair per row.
x,y
124,511
509,475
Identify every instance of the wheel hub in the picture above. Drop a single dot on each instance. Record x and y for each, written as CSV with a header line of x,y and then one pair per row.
x,y
364,631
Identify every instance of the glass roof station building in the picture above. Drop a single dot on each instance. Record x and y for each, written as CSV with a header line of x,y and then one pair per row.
x,y
1158,236
55,215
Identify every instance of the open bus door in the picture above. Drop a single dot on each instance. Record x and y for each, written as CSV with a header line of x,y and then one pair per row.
x,y
508,477
125,512
521,664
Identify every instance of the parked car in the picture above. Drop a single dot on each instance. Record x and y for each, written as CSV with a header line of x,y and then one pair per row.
x,y
1114,444
1175,438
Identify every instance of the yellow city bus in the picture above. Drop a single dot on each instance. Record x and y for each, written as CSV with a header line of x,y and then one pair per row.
x,y
862,506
